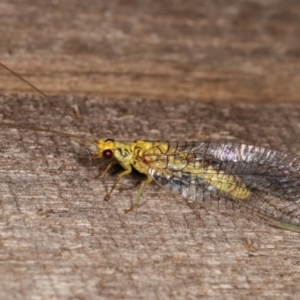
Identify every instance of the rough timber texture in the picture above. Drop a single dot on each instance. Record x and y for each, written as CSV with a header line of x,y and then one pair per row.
x,y
58,238
210,50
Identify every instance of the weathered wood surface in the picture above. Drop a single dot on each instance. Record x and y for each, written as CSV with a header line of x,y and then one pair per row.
x,y
58,238
208,50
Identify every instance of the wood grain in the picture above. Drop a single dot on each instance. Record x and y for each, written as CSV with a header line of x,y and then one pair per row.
x,y
232,51
171,70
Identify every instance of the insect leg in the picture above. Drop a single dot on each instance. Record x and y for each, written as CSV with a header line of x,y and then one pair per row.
x,y
124,173
139,194
113,162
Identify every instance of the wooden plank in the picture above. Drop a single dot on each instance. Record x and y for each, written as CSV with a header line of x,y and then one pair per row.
x,y
59,239
236,51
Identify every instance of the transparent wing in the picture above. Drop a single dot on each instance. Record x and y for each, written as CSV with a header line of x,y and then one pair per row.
x,y
251,179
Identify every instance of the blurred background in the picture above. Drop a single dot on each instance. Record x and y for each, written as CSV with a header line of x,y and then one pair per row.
x,y
237,50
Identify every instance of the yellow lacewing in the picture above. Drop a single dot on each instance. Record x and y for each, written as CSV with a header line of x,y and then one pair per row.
x,y
255,180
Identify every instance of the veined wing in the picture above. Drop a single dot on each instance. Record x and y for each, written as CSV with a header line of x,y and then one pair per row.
x,y
251,179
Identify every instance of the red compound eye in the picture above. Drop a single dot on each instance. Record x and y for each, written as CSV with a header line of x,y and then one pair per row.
x,y
107,154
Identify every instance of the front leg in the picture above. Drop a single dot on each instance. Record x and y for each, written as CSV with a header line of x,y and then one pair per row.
x,y
127,171
102,174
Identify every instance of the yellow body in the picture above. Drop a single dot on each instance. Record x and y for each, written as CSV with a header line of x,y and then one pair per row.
x,y
159,156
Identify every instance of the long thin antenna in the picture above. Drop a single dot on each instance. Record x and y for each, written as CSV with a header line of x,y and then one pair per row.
x,y
50,99
73,136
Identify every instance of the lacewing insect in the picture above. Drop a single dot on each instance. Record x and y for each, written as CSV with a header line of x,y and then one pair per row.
x,y
254,180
